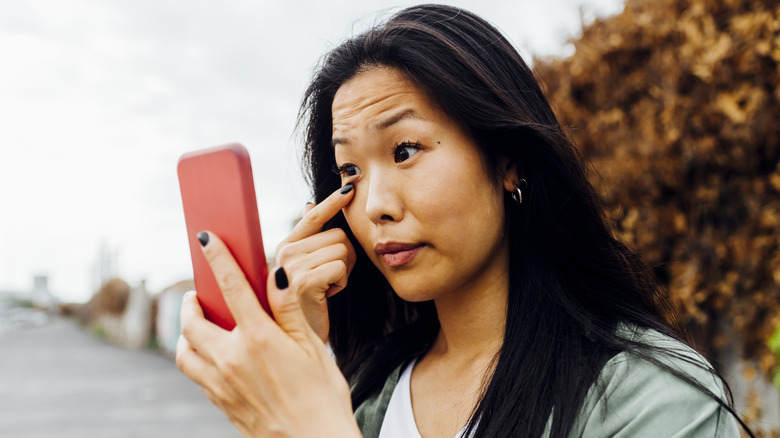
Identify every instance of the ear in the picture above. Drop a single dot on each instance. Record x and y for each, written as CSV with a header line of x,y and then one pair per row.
x,y
510,174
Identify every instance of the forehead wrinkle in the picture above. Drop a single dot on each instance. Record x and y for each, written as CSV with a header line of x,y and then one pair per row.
x,y
364,109
404,114
408,113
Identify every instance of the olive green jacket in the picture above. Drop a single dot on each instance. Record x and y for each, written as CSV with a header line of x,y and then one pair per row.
x,y
644,399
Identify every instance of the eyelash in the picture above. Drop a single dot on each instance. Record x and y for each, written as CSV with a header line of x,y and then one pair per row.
x,y
344,168
405,144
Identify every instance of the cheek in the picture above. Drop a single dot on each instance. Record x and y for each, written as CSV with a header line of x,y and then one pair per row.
x,y
464,220
457,194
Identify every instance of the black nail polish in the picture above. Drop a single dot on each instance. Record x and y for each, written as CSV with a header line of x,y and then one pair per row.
x,y
346,189
203,237
281,279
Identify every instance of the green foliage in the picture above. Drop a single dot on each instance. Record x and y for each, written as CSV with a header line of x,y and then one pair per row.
x,y
152,343
774,345
100,332
22,302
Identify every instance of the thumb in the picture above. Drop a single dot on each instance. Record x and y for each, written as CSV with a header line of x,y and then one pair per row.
x,y
286,307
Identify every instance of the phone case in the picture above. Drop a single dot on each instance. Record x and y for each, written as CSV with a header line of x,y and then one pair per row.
x,y
218,194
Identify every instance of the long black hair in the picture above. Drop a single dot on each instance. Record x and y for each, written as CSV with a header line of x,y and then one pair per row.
x,y
571,281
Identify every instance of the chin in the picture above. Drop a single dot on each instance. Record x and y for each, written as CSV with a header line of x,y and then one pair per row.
x,y
412,294
414,298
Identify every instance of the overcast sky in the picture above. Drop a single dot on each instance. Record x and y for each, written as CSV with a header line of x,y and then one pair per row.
x,y
98,98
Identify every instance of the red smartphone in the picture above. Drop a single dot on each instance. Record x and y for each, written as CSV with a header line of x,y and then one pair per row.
x,y
218,194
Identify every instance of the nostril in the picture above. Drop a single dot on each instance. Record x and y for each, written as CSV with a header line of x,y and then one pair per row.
x,y
387,217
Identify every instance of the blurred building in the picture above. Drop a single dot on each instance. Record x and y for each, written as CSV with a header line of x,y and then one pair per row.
x,y
167,325
39,296
105,267
23,309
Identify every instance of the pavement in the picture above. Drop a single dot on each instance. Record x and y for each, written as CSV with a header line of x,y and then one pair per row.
x,y
56,380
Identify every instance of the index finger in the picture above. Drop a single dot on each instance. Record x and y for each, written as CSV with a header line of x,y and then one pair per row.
x,y
313,221
239,296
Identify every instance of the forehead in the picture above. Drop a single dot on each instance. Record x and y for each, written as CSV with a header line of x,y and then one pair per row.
x,y
372,95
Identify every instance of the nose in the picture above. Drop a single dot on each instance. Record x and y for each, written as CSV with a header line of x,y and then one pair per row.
x,y
382,203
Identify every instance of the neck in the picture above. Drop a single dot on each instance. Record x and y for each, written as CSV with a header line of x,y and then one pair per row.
x,y
473,318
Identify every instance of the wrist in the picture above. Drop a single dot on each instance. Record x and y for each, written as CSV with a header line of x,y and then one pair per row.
x,y
334,425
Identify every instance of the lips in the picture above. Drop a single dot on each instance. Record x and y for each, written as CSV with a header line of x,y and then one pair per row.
x,y
396,254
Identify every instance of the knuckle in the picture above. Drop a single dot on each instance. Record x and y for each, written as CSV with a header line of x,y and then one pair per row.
x,y
258,340
314,216
342,251
229,281
342,268
304,283
280,246
284,253
342,235
299,281
218,395
212,396
229,366
181,356
181,363
232,379
292,266
217,257
334,233
276,428
260,343
338,235
186,331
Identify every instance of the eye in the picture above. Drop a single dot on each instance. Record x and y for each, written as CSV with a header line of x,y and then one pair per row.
x,y
404,151
347,170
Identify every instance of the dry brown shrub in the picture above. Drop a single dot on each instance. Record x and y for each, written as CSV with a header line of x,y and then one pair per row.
x,y
111,299
677,106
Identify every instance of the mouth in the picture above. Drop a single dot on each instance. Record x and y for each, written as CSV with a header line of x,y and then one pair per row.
x,y
396,254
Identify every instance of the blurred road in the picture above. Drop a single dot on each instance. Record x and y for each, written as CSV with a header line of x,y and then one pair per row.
x,y
58,381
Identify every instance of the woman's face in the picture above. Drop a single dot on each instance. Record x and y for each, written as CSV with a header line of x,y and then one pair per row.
x,y
425,210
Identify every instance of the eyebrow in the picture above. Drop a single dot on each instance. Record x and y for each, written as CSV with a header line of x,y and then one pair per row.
x,y
407,114
384,124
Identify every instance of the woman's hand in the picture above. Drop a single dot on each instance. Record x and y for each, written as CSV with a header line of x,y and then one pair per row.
x,y
270,378
318,262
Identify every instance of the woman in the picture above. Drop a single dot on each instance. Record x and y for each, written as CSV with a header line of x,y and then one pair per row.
x,y
458,261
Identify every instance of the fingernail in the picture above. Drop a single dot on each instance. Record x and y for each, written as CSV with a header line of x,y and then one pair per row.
x,y
281,279
203,237
346,189
309,203
188,294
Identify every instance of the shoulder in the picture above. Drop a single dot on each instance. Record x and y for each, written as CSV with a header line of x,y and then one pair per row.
x,y
637,396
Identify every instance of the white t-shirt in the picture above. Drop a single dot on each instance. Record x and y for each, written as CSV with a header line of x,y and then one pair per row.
x,y
399,418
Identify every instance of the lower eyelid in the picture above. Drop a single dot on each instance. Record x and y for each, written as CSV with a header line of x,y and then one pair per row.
x,y
350,180
344,168
347,178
